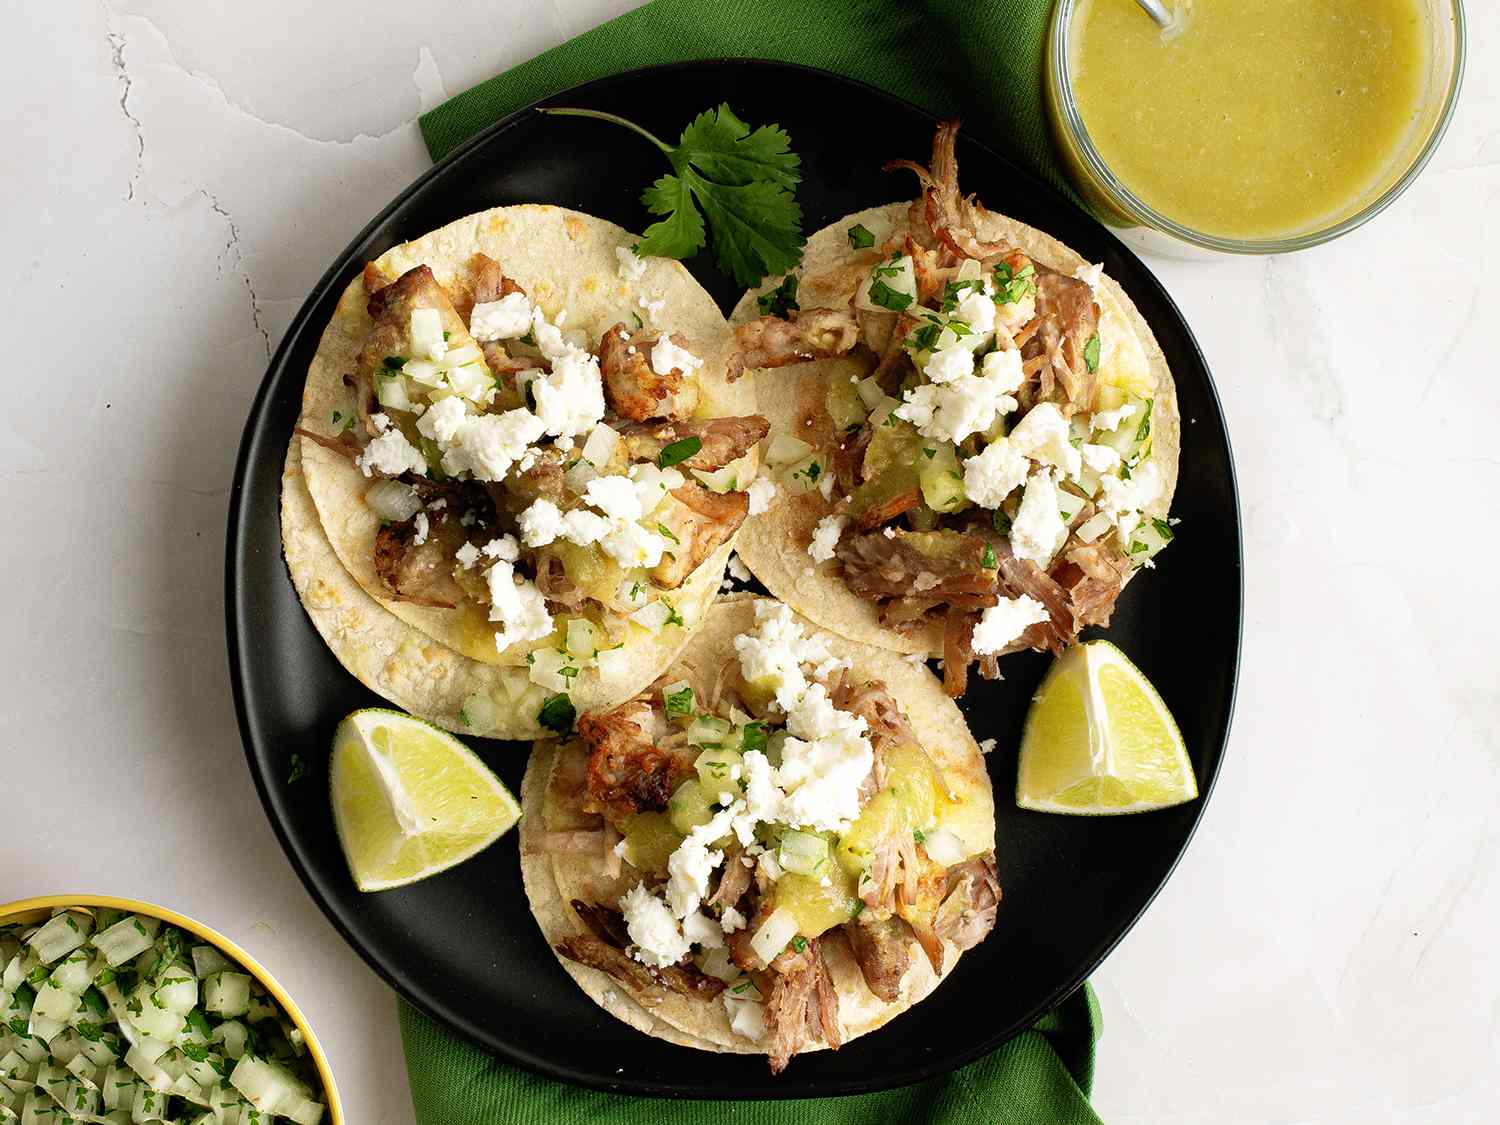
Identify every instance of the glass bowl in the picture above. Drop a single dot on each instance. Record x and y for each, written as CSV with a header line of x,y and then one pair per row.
x,y
1141,224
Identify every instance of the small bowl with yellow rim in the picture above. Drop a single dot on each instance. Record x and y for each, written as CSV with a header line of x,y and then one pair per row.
x,y
114,1008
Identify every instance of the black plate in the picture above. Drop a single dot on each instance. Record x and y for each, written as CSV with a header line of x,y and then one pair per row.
x,y
462,946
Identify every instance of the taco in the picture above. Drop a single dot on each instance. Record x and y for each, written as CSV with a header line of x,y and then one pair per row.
x,y
976,441
783,844
517,439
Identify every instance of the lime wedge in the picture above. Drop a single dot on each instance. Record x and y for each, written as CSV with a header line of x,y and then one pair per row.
x,y
410,800
1099,740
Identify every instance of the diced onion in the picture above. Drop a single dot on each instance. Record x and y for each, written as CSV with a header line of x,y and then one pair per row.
x,y
583,638
653,616
392,392
578,476
722,480
547,667
778,929
1092,528
393,500
422,371
802,852
717,963
226,994
206,959
614,663
462,355
427,333
944,847
600,446
785,449
61,935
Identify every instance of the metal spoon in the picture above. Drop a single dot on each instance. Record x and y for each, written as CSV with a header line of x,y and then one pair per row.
x,y
1157,11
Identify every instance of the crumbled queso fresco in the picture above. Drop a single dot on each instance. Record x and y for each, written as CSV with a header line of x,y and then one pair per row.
x,y
825,757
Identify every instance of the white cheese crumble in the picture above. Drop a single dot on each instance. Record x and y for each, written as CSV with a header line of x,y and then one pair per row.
x,y
1100,458
774,654
731,920
1038,529
964,403
615,496
506,319
570,400
487,445
421,526
631,267
505,548
703,931
747,1016
441,420
761,492
1124,500
427,334
987,745
631,545
1091,275
665,356
952,362
1001,624
825,537
658,939
977,310
997,471
390,453
824,763
1109,420
467,555
1043,436
652,484
517,605
689,867
653,308
738,570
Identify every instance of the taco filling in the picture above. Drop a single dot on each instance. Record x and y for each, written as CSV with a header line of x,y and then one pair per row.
x,y
990,476
524,471
789,808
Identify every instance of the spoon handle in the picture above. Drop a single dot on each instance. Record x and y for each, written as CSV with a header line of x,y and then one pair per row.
x,y
1157,11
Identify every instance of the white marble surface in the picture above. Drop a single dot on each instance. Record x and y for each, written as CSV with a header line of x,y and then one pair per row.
x,y
179,173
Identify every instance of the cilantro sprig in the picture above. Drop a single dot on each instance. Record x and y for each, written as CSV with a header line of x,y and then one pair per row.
x,y
741,180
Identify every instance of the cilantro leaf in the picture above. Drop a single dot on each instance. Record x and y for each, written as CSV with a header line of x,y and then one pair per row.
x,y
739,180
1091,353
860,237
680,234
557,714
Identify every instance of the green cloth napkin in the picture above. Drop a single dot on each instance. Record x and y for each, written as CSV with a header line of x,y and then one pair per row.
x,y
1041,1077
982,61
979,60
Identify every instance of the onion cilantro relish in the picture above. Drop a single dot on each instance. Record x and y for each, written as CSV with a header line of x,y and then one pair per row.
x,y
120,1018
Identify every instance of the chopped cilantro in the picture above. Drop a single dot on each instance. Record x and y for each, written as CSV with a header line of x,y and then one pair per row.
x,y
94,1001
742,987
989,562
1000,521
1091,353
738,179
781,300
860,237
1012,285
679,451
925,338
1143,431
887,298
1163,529
20,1026
639,323
673,617
1137,547
953,292
859,908
812,472
463,717
665,532
919,836
557,714
567,671
395,362
929,453
199,1023
1124,470
679,702
298,770
753,737
198,1052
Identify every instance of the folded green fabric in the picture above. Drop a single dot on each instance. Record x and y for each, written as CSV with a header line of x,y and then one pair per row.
x,y
981,61
1041,1077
